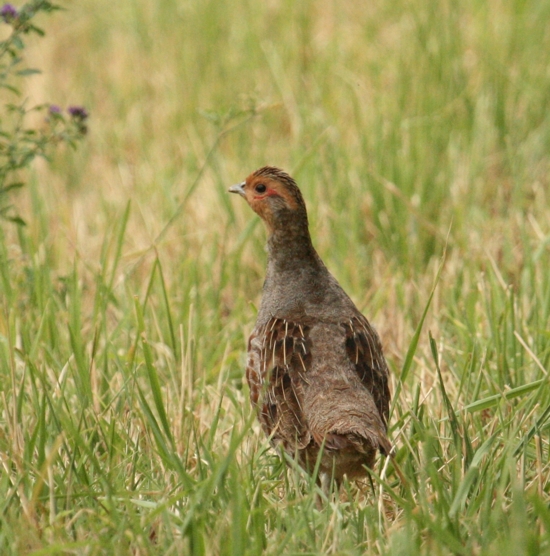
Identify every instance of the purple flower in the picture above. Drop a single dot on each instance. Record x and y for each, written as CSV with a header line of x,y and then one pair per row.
x,y
78,112
54,109
8,13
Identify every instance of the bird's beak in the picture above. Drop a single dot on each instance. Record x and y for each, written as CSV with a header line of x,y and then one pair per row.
x,y
238,188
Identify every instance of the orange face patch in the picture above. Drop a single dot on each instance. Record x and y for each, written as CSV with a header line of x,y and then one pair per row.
x,y
258,188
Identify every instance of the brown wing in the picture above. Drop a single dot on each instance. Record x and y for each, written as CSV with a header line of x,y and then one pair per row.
x,y
279,354
365,351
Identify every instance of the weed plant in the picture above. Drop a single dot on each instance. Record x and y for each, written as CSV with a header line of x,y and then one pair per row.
x,y
21,143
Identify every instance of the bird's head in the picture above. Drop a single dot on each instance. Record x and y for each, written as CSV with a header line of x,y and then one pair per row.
x,y
274,196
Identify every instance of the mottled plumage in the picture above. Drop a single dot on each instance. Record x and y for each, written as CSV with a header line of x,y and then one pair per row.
x,y
316,370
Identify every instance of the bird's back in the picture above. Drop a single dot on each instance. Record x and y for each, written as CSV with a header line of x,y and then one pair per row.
x,y
320,384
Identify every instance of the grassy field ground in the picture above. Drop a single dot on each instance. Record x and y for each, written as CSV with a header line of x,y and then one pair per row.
x,y
420,135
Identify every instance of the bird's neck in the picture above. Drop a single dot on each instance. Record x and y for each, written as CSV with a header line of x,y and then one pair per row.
x,y
290,247
297,284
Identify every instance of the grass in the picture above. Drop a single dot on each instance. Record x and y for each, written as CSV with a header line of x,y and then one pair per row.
x,y
419,133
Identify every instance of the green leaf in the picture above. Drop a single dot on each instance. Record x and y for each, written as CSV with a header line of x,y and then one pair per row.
x,y
28,71
18,43
491,401
37,30
414,342
10,88
10,187
459,501
152,375
16,220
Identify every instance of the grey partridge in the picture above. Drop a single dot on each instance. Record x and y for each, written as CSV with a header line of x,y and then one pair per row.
x,y
316,371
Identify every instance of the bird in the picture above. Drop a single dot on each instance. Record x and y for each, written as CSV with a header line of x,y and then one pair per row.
x,y
316,370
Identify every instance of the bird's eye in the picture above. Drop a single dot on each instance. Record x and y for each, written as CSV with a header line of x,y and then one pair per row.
x,y
260,188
